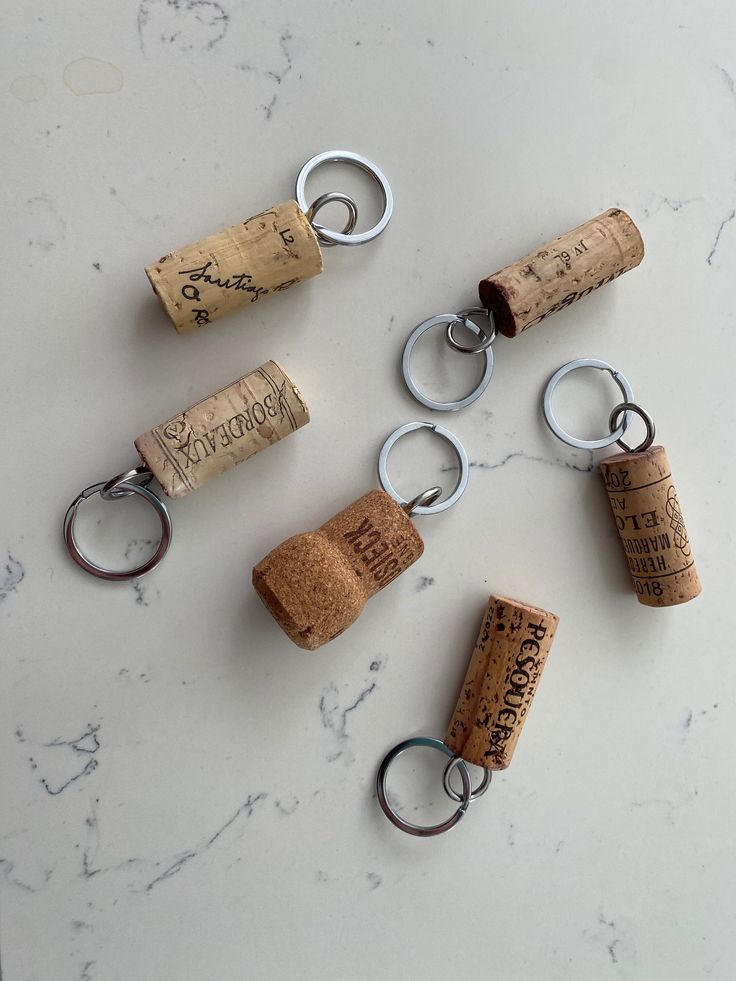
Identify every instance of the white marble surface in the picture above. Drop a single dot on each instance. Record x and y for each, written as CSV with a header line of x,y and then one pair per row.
x,y
185,796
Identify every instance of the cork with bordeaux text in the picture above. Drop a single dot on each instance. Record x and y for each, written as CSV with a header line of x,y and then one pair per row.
x,y
316,584
223,430
562,271
500,683
649,521
265,254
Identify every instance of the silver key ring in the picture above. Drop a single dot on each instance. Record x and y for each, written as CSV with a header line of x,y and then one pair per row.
x,y
462,457
549,416
123,489
451,792
419,830
449,319
329,198
347,156
646,418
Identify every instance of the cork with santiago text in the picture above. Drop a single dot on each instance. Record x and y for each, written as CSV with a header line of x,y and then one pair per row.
x,y
561,272
500,683
316,584
649,522
223,430
263,255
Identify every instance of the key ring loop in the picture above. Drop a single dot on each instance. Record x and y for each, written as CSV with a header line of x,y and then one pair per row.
x,y
129,487
319,203
420,830
475,794
449,319
465,317
648,422
549,416
364,164
462,457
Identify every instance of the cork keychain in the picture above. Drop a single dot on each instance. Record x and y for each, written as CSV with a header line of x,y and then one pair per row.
x,y
642,496
316,584
494,701
201,442
539,284
265,254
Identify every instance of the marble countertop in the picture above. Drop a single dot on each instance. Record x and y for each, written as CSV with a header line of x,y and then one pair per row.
x,y
186,795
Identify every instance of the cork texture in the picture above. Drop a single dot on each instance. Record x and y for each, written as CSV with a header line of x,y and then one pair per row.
x,y
265,254
316,584
223,430
562,271
650,525
500,683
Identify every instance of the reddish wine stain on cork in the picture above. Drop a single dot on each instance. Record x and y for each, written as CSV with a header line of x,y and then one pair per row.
x,y
265,254
316,584
500,683
562,271
649,521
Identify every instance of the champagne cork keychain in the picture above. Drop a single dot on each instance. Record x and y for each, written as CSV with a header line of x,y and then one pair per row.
x,y
539,284
265,254
316,584
642,496
499,687
185,452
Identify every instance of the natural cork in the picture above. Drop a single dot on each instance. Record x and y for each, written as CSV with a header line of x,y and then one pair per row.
x,y
265,254
315,585
223,430
562,271
651,528
500,683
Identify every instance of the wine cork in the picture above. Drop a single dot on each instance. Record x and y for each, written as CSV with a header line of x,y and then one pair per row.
x,y
562,271
315,585
500,683
651,528
223,430
265,254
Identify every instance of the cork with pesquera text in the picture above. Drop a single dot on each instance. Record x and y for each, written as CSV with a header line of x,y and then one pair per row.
x,y
223,430
650,525
316,584
562,271
500,683
265,254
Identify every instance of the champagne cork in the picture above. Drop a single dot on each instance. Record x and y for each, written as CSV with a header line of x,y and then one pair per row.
x,y
651,528
224,429
500,682
315,585
562,271
265,254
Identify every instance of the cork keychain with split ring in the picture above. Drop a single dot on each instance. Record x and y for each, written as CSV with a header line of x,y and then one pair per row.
x,y
316,584
500,683
184,452
642,496
522,295
263,255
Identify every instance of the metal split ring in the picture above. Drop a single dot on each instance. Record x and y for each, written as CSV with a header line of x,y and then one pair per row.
x,y
648,422
357,160
422,831
415,506
319,203
588,444
111,490
449,789
484,348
